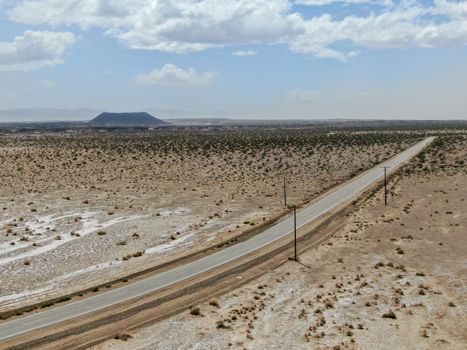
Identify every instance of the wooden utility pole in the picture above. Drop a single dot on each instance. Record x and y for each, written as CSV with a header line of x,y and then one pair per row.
x,y
385,186
295,231
285,193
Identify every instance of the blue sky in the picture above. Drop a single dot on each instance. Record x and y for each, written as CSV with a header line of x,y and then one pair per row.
x,y
237,58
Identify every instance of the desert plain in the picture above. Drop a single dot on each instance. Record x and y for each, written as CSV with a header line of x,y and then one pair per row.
x,y
393,277
79,209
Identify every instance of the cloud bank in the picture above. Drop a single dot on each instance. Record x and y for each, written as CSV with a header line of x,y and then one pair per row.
x,y
244,53
180,26
34,50
171,75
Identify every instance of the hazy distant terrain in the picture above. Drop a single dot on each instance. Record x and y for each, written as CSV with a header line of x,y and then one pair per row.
x,y
65,119
46,115
187,118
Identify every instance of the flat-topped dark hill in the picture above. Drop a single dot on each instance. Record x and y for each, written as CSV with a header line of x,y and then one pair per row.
x,y
126,119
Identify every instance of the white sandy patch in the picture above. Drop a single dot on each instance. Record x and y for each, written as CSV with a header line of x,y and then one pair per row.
x,y
15,297
169,246
182,241
8,247
5,222
10,299
90,224
87,270
176,211
38,226
42,224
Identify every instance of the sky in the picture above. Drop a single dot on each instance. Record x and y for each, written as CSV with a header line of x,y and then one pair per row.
x,y
236,58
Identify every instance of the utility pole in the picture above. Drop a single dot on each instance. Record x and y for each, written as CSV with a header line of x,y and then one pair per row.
x,y
295,231
385,186
285,193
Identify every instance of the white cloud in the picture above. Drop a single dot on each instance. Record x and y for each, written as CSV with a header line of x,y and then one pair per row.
x,y
452,9
400,28
187,25
353,54
403,28
303,96
34,50
170,74
244,53
170,25
327,2
85,14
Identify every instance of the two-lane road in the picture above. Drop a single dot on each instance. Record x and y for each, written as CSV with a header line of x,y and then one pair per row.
x,y
153,283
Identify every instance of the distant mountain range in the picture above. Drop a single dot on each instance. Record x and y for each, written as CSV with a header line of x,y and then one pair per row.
x,y
80,117
46,115
35,115
52,115
126,119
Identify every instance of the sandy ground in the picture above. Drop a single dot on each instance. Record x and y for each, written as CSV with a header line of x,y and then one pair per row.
x,y
393,278
79,210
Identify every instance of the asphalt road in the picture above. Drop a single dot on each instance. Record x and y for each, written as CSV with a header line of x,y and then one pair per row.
x,y
153,283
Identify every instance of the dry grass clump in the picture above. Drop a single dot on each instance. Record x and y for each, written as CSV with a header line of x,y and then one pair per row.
x,y
389,314
195,311
134,255
123,336
214,303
